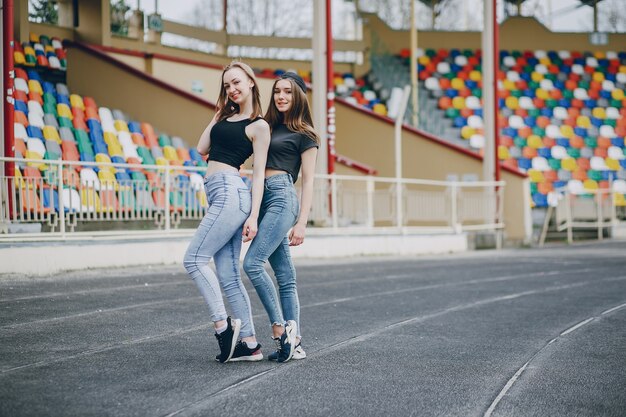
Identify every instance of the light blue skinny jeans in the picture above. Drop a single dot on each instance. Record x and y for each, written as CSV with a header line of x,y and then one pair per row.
x,y
279,212
219,237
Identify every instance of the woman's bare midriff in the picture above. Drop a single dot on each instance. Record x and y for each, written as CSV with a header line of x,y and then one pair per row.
x,y
215,167
271,171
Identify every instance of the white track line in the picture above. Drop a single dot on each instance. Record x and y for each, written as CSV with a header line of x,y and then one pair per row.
x,y
412,320
228,388
519,372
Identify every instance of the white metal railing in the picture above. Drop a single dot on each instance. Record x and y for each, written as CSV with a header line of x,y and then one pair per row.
x,y
595,209
61,202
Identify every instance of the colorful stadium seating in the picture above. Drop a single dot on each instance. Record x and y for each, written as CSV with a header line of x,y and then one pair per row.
x,y
562,114
50,123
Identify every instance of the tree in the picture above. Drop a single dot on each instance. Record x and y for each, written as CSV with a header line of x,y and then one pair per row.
x,y
119,23
44,11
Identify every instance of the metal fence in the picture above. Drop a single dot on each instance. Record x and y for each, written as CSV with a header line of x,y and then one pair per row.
x,y
61,199
595,209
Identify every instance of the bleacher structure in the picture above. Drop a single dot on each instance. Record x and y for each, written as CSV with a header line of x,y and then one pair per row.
x,y
562,114
52,124
562,119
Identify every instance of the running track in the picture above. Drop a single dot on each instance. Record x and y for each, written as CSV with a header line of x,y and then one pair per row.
x,y
512,333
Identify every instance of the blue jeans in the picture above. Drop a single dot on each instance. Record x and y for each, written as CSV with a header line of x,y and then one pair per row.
x,y
278,213
219,237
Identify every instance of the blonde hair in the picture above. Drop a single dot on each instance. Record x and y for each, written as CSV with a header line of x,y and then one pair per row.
x,y
298,117
225,106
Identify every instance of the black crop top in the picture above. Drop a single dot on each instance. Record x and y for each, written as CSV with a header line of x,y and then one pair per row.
x,y
229,142
286,147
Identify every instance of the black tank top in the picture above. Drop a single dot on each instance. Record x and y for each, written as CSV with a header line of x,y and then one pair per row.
x,y
229,143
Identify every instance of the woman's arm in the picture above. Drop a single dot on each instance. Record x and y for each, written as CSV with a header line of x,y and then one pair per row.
x,y
259,132
205,139
296,236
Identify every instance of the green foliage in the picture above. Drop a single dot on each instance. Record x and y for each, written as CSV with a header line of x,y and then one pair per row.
x,y
44,11
119,23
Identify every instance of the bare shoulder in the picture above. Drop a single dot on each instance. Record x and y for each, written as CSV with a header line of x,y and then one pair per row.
x,y
258,127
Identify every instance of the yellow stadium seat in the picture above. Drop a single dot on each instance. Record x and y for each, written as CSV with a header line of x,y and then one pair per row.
x,y
380,108
542,94
567,131
35,155
503,152
617,94
569,164
90,200
337,81
467,132
622,68
18,58
64,111
598,76
77,101
599,54
534,141
458,102
536,76
424,60
619,199
590,184
107,180
29,51
115,150
121,126
512,103
48,48
51,133
161,161
170,153
583,121
545,61
101,157
457,83
110,138
612,164
34,86
33,37
508,84
475,75
202,199
599,112
535,176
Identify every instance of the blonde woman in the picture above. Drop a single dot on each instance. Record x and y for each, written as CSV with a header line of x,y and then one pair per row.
x,y
236,132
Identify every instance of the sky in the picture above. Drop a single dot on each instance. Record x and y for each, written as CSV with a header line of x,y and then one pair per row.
x,y
570,18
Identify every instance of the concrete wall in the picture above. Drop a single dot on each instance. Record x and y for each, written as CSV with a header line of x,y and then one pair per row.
x,y
118,87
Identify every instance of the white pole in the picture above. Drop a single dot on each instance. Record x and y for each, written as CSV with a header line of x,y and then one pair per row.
x,y
413,66
319,82
398,153
489,91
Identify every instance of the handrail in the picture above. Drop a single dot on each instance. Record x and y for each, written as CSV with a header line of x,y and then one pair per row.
x,y
358,202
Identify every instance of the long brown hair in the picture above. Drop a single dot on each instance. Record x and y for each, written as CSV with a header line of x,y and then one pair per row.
x,y
226,107
298,117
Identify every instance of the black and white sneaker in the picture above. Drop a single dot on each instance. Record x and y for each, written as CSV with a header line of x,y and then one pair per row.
x,y
298,353
227,339
244,354
285,344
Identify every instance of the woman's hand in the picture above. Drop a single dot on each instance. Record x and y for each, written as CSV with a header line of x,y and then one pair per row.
x,y
250,229
296,236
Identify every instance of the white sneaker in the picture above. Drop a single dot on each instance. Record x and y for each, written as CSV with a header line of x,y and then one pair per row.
x,y
298,352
